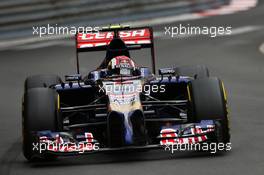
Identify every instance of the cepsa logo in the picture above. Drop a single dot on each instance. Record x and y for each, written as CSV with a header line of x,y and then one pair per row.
x,y
109,35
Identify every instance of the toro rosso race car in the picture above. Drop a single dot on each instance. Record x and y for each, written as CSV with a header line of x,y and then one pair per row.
x,y
120,105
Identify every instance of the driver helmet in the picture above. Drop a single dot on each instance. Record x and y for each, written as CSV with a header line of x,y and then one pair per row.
x,y
121,65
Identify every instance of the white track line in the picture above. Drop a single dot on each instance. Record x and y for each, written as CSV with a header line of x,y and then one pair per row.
x,y
261,48
246,29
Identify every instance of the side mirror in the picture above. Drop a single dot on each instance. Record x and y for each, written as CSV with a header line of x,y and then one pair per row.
x,y
166,71
145,72
74,77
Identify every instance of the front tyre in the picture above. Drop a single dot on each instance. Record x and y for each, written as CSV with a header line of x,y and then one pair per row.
x,y
36,81
40,112
208,101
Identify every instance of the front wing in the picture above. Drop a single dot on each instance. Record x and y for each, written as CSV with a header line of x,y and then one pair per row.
x,y
65,143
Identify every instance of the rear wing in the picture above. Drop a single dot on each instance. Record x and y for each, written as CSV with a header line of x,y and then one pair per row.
x,y
134,38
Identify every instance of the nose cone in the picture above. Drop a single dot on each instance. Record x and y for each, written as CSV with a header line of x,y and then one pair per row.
x,y
134,128
126,128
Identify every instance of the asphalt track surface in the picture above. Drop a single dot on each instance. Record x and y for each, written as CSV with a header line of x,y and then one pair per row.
x,y
235,59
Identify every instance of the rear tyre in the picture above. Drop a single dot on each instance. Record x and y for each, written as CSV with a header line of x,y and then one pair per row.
x,y
41,81
207,101
198,71
40,112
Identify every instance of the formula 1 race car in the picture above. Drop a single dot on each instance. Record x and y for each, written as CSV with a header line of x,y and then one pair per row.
x,y
121,106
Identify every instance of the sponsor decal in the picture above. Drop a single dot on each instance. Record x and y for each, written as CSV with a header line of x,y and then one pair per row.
x,y
140,36
190,135
61,144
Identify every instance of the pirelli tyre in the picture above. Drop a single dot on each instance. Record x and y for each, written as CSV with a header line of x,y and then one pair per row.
x,y
198,71
40,112
208,101
41,81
